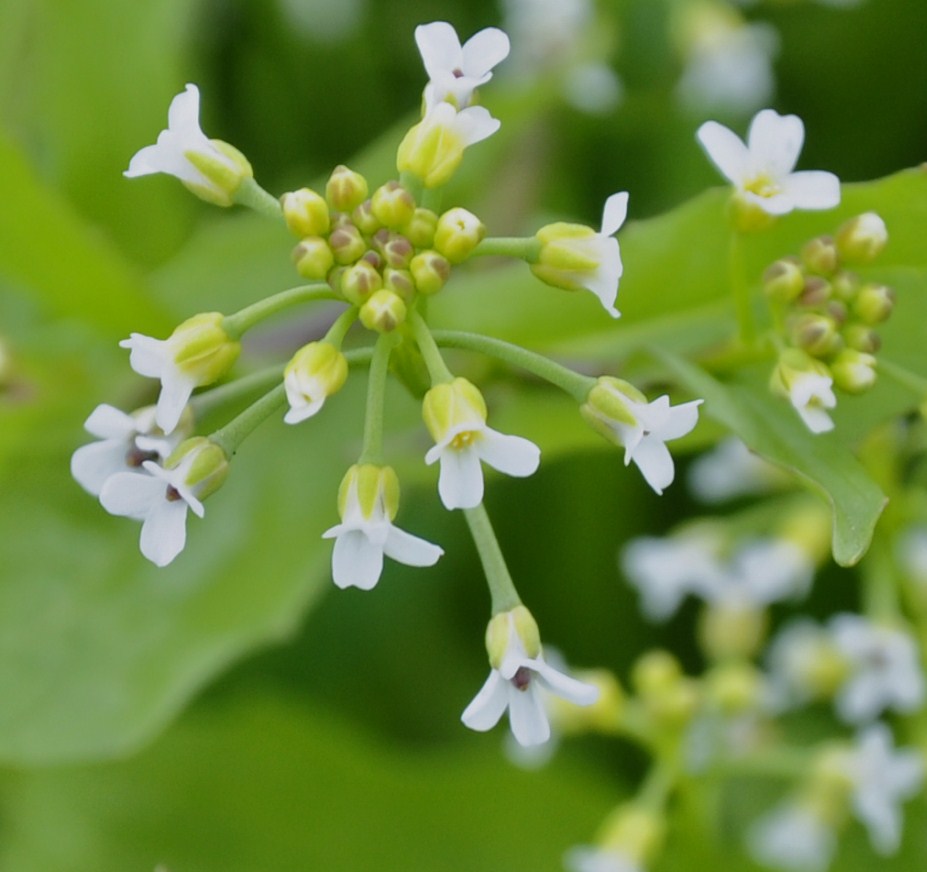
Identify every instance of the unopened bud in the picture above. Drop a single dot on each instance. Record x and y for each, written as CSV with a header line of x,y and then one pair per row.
x,y
305,213
633,833
816,334
383,312
347,244
345,189
392,205
420,230
853,371
396,250
655,672
783,280
364,219
815,292
313,258
845,285
874,303
360,281
400,282
862,338
735,687
820,255
430,270
457,233
862,239
205,464
731,631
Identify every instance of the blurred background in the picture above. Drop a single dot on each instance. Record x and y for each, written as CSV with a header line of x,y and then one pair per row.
x,y
235,712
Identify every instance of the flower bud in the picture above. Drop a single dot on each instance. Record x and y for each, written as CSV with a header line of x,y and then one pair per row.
x,y
820,255
457,233
345,189
314,373
347,244
853,371
862,338
874,303
400,282
603,716
420,230
364,219
305,213
372,486
605,404
383,312
360,281
498,631
395,249
201,347
633,832
735,687
655,672
862,239
844,285
731,631
313,258
783,280
392,205
815,291
224,173
206,465
816,334
453,406
430,270
567,253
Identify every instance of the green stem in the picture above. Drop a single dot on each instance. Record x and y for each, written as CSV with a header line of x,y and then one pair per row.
x,y
879,591
208,401
527,249
437,368
501,587
229,437
243,320
372,451
655,790
343,322
432,198
252,195
412,183
740,289
903,376
574,383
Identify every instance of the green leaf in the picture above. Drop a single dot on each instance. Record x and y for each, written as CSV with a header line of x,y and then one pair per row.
x,y
771,428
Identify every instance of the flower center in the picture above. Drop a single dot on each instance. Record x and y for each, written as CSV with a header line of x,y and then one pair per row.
x,y
463,440
458,73
522,678
763,186
172,494
135,456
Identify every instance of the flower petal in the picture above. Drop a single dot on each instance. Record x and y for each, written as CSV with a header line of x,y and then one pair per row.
x,y
513,455
164,531
614,213
93,464
356,561
474,124
813,189
108,422
487,706
132,494
725,150
405,548
147,356
775,142
527,717
680,421
483,51
460,482
439,46
655,462
175,394
564,686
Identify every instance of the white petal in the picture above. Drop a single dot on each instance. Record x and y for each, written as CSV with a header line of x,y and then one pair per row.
x,y
577,692
356,561
108,422
527,717
483,51
175,394
132,494
725,150
439,47
474,124
604,281
460,482
775,142
147,356
513,455
405,548
816,419
680,421
183,115
164,532
487,706
813,189
93,464
614,213
655,462
300,410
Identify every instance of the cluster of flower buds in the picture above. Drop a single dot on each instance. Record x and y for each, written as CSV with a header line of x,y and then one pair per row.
x,y
828,317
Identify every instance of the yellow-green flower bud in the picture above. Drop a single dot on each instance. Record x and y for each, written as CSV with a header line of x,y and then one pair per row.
x,y
874,303
862,239
395,249
735,687
457,233
430,151
853,371
731,631
815,291
345,189
365,220
862,338
633,832
817,334
200,347
520,622
845,285
603,716
820,255
392,205
560,258
376,485
347,244
313,258
655,672
783,280
400,282
448,405
605,404
206,465
305,213
314,373
747,217
360,281
420,230
430,271
225,176
383,312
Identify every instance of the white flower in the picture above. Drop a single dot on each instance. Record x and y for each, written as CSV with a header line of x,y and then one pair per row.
x,y
516,680
593,88
573,256
124,443
884,669
792,837
762,169
368,500
455,414
760,572
585,858
882,778
456,71
811,394
211,169
314,373
803,664
160,497
731,470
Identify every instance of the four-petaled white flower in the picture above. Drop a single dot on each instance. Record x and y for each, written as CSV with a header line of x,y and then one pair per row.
x,y
811,394
455,414
884,669
314,373
124,443
762,169
882,778
212,169
585,858
515,682
456,71
368,500
793,837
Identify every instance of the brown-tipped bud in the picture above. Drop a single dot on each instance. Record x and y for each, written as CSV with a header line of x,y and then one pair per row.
x,y
783,280
305,213
383,312
400,282
862,239
458,233
313,258
816,334
430,271
420,230
836,310
845,285
345,189
347,244
853,371
364,219
373,258
334,277
392,205
862,338
820,255
874,303
360,281
815,292
396,250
